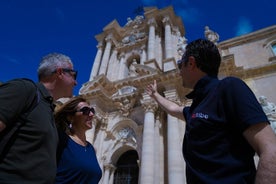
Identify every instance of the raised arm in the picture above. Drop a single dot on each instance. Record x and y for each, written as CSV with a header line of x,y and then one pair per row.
x,y
167,105
263,140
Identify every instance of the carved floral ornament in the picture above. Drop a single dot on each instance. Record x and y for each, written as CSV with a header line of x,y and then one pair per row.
x,y
133,38
125,134
139,19
150,106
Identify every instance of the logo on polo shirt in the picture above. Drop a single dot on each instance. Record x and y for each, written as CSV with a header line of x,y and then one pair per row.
x,y
199,115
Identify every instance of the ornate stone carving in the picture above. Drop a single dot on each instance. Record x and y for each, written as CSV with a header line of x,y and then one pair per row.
x,y
166,20
152,22
211,35
133,38
181,44
125,135
126,90
270,111
137,21
149,105
124,99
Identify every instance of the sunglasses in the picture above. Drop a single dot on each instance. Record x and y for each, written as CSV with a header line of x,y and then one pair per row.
x,y
73,73
86,110
179,64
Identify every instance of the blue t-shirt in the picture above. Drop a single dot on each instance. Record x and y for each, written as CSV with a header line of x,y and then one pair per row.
x,y
78,164
214,148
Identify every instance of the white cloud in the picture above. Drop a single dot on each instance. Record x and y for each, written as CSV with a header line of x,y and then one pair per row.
x,y
10,59
244,26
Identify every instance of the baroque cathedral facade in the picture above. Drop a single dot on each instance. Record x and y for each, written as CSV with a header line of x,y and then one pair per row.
x,y
135,141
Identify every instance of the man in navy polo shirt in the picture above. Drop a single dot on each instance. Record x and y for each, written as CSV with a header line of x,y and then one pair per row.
x,y
225,125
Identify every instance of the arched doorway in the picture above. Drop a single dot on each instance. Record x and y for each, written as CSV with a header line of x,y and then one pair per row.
x,y
127,170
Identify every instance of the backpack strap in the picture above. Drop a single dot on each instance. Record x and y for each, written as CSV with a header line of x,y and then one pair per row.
x,y
8,135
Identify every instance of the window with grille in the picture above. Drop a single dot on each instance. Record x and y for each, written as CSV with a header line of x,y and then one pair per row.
x,y
127,170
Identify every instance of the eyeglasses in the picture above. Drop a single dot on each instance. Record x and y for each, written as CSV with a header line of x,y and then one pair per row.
x,y
86,110
179,64
182,61
73,73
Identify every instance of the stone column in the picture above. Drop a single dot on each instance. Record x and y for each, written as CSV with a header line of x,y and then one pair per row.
x,y
106,174
161,152
112,65
106,55
168,39
143,57
122,67
147,162
151,39
157,153
97,60
112,171
175,159
100,141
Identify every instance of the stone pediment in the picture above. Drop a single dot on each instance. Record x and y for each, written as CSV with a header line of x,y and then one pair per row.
x,y
101,83
112,25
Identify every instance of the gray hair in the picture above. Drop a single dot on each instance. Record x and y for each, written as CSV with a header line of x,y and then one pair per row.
x,y
51,62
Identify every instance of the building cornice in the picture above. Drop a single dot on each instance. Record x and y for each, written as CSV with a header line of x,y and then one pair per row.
x,y
240,40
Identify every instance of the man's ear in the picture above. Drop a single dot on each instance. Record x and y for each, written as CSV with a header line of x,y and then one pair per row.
x,y
191,61
59,72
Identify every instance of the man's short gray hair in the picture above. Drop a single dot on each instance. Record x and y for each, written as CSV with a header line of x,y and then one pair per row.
x,y
51,62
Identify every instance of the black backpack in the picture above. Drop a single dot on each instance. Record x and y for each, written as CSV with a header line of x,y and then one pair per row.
x,y
8,135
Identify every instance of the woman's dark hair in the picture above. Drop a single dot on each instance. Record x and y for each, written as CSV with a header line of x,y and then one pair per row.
x,y
67,109
206,54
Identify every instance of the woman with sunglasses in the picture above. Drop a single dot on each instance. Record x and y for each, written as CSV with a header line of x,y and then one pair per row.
x,y
77,161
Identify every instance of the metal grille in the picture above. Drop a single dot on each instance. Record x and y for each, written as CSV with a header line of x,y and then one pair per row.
x,y
126,174
127,171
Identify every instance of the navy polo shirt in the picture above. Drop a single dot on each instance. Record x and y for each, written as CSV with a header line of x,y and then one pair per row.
x,y
214,148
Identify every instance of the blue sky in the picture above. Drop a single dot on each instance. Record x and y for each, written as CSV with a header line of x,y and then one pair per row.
x,y
31,29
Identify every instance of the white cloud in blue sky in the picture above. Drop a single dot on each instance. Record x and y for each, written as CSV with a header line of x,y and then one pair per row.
x,y
244,26
9,59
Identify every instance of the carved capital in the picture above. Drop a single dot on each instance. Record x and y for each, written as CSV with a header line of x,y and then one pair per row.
x,y
166,20
121,55
109,38
109,166
100,45
152,22
150,106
